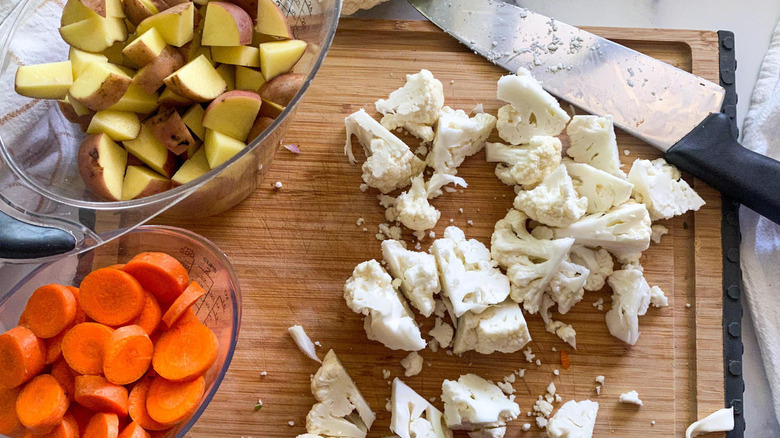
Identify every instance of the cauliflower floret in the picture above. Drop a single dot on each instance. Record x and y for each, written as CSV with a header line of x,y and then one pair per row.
x,y
338,399
658,231
415,106
439,180
349,7
531,110
412,208
598,261
630,299
525,165
530,263
468,277
412,364
567,286
417,272
442,332
390,164
388,319
553,202
472,403
592,141
603,190
657,297
458,137
624,231
573,420
659,186
559,328
413,416
498,328
631,397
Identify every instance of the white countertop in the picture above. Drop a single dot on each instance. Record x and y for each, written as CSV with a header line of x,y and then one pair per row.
x,y
752,22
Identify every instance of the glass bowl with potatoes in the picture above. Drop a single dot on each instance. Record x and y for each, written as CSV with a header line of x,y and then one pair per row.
x,y
115,111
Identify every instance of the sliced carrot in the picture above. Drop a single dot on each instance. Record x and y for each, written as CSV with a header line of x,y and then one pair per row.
x,y
22,356
41,404
54,345
117,266
160,274
68,428
100,395
185,352
82,416
111,297
23,319
137,406
102,425
171,402
67,378
83,347
187,317
191,294
158,433
150,316
9,422
134,430
49,310
127,355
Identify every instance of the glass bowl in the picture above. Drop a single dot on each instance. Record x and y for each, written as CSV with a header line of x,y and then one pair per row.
x,y
39,179
219,309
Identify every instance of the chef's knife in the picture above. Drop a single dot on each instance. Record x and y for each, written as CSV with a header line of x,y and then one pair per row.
x,y
672,110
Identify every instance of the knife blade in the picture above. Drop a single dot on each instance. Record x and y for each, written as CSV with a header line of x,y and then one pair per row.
x,y
672,110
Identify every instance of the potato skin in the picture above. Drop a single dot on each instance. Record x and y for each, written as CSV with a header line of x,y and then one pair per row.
x,y
249,6
151,76
242,19
260,125
109,93
283,88
70,115
89,167
136,12
169,129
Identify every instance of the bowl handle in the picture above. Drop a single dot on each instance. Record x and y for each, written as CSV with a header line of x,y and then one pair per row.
x,y
21,240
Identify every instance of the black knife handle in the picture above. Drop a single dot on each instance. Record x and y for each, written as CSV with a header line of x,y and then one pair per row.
x,y
21,240
711,153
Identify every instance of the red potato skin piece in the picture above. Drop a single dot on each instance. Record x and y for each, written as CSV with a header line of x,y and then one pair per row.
x,y
169,129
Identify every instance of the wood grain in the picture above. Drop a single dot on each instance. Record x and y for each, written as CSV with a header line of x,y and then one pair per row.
x,y
293,249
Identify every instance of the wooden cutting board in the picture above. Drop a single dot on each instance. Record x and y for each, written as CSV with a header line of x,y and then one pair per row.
x,y
294,248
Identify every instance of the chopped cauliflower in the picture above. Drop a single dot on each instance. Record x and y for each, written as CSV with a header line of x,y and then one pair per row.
x,y
442,332
412,208
573,420
303,341
525,165
559,328
592,141
567,286
598,261
624,231
658,231
530,263
390,164
659,186
630,299
349,7
467,274
388,319
498,328
458,136
531,110
412,364
438,180
553,202
631,397
414,107
657,297
413,416
338,400
418,273
602,189
472,403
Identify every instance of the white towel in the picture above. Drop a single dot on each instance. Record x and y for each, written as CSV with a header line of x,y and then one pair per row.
x,y
760,252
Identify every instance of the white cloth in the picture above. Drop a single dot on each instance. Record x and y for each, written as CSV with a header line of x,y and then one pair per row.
x,y
760,251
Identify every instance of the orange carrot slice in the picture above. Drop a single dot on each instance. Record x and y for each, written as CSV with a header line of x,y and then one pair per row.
x,y
100,395
187,317
171,402
137,406
22,356
49,310
23,319
150,316
41,404
84,345
134,430
67,378
111,297
68,428
160,274
185,352
127,355
185,301
54,345
9,422
82,416
102,425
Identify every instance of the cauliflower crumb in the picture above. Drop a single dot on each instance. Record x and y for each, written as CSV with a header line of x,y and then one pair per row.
x,y
278,185
291,423
631,397
541,422
538,362
510,378
363,187
657,297
442,332
506,387
412,364
600,380
360,221
556,372
658,231
598,390
529,356
526,427
264,373
385,374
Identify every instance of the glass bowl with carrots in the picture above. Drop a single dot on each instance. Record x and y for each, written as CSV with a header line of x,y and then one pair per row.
x,y
130,339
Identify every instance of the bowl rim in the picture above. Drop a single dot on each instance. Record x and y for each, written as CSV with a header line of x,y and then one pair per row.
x,y
236,306
175,194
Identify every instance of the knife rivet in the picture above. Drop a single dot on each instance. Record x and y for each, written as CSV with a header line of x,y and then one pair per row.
x,y
728,43
727,76
733,292
735,329
733,255
737,405
731,218
735,367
